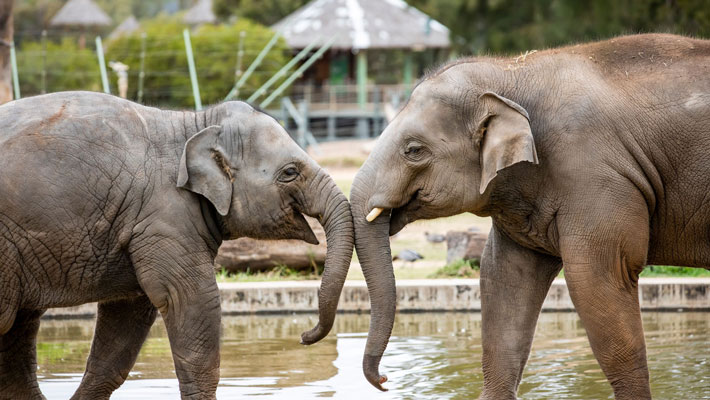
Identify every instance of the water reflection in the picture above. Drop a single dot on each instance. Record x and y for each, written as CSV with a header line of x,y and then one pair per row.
x,y
432,355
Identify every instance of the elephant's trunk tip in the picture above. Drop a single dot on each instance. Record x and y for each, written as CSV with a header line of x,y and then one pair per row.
x,y
370,366
314,335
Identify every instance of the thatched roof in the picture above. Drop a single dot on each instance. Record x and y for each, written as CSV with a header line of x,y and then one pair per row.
x,y
128,26
363,24
200,13
80,13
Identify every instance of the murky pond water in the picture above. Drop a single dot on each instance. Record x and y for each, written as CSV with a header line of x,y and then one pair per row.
x,y
430,356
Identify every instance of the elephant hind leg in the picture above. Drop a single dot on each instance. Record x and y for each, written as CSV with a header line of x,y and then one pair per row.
x,y
121,328
18,358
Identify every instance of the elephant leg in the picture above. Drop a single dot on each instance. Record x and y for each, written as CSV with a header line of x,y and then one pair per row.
x,y
601,270
18,358
514,284
184,290
121,329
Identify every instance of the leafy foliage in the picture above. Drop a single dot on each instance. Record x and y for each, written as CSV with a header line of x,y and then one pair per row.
x,y
267,12
80,71
459,269
510,26
215,48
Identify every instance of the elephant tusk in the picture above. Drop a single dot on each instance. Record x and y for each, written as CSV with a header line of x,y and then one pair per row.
x,y
374,214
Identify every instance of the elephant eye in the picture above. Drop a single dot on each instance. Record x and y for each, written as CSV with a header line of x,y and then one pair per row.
x,y
414,151
288,174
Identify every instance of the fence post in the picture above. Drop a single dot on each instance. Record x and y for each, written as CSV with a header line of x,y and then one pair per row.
x,y
102,64
191,67
303,125
15,79
141,73
44,61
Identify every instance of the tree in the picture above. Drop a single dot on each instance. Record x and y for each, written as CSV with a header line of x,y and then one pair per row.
x,y
267,12
6,37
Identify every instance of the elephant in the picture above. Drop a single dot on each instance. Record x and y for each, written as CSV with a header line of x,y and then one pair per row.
x,y
592,158
105,200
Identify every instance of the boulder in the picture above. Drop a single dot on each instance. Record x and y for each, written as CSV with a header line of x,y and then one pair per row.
x,y
255,255
465,245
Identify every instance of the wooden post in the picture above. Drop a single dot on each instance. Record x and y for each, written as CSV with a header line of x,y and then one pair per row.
x,y
191,67
303,125
141,73
102,64
240,56
361,74
408,69
15,79
331,115
44,61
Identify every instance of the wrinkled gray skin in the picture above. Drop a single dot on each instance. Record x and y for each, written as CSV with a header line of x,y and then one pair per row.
x,y
595,158
106,200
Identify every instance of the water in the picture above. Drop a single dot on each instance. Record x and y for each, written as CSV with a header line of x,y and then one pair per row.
x,y
430,356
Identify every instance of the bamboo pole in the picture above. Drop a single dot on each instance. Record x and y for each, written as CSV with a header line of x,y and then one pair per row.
x,y
297,73
191,67
257,61
102,64
281,72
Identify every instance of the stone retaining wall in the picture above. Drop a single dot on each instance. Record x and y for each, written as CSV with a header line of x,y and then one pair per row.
x,y
660,294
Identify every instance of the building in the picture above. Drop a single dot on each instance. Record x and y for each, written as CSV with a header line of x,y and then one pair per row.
x,y
359,28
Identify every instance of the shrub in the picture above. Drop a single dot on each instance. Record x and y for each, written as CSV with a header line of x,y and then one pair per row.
x,y
459,269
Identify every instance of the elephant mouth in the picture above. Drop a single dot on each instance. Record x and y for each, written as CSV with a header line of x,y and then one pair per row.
x,y
301,229
403,215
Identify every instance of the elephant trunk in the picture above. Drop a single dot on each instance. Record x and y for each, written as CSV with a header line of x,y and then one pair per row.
x,y
373,251
326,202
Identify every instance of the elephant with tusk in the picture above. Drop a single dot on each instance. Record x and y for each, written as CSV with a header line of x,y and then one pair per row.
x,y
104,200
593,158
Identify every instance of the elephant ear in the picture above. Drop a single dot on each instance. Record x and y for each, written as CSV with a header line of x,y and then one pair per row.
x,y
204,169
505,137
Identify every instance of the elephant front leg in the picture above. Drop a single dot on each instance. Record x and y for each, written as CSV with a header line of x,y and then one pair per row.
x,y
514,284
121,329
18,358
186,294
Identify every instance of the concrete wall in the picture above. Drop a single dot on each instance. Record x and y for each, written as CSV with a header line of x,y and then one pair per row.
x,y
423,295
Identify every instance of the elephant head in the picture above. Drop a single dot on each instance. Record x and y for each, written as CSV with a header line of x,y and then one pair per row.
x,y
260,183
438,157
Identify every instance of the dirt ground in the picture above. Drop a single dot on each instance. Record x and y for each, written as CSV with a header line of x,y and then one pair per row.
x,y
342,160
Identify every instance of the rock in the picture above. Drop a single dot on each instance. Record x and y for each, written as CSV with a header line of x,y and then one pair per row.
x,y
254,255
464,245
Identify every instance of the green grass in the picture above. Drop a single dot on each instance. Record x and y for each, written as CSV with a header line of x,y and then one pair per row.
x,y
667,270
278,273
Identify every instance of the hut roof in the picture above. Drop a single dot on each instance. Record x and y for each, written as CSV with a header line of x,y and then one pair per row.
x,y
363,24
80,13
129,25
200,13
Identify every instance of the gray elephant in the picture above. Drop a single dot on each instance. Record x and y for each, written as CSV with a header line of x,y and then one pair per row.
x,y
593,158
106,200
